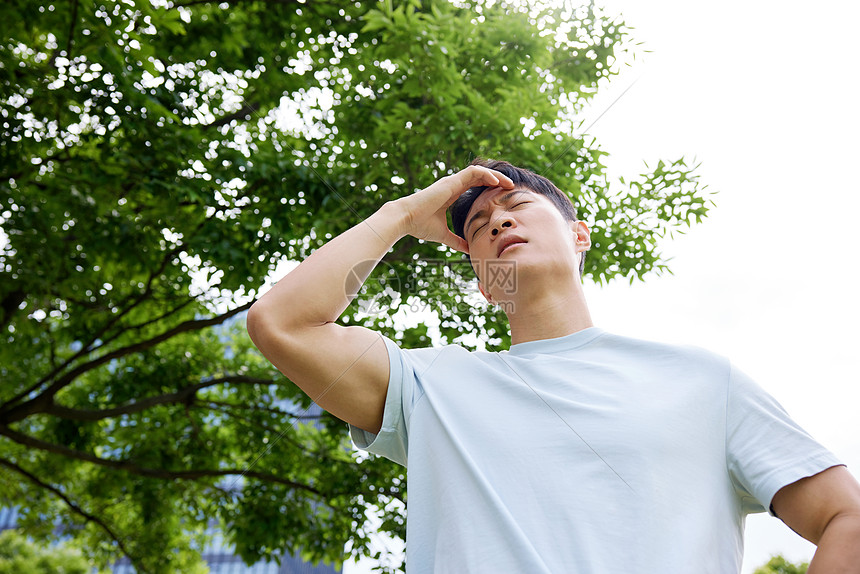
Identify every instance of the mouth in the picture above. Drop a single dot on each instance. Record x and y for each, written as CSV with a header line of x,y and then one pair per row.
x,y
510,245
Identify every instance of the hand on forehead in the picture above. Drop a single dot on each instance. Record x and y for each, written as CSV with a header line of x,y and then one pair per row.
x,y
493,194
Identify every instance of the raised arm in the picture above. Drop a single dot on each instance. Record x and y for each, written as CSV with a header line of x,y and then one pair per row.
x,y
345,369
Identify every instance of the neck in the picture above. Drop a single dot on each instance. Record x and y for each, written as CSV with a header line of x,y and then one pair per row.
x,y
548,313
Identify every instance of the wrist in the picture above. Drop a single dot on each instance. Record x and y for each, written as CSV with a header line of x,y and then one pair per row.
x,y
396,217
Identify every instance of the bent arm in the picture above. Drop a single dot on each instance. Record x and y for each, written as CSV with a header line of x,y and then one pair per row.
x,y
343,369
825,509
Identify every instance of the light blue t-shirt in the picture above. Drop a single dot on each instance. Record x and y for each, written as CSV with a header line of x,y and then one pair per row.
x,y
589,453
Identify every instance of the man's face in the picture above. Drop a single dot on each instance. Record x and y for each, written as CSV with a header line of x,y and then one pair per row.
x,y
521,226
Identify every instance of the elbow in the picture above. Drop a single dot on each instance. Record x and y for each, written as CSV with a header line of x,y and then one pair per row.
x,y
255,322
270,321
845,523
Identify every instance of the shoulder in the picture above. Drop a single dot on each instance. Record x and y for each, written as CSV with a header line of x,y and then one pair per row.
x,y
660,352
426,356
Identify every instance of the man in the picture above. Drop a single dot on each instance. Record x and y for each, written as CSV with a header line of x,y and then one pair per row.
x,y
574,451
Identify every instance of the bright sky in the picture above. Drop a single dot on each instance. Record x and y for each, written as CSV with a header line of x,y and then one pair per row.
x,y
763,94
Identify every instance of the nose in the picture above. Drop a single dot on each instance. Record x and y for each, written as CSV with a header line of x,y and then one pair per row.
x,y
504,220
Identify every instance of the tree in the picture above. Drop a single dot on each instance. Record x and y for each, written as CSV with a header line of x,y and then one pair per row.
x,y
147,144
779,565
17,554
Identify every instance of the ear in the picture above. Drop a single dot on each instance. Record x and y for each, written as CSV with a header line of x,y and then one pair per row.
x,y
485,293
581,236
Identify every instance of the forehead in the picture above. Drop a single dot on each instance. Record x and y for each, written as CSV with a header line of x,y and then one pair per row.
x,y
495,194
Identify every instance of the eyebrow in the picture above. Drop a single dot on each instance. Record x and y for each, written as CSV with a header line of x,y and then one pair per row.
x,y
503,199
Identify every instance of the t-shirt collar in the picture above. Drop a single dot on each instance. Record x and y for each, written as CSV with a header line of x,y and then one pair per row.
x,y
557,344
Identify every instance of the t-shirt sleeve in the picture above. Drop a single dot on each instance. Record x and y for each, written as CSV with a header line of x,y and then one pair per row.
x,y
765,448
392,441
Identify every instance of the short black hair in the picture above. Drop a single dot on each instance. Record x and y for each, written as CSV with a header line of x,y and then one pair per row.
x,y
521,177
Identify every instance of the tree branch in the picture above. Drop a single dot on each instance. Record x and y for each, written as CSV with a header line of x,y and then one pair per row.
x,y
161,317
261,408
45,398
145,294
281,436
75,508
87,347
256,424
133,468
125,330
181,396
72,24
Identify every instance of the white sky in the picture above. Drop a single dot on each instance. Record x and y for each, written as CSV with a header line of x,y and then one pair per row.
x,y
764,95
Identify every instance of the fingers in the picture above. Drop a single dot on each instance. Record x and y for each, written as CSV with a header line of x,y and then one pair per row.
x,y
476,175
504,181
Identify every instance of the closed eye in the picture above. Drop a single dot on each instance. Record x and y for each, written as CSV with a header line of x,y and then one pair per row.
x,y
475,232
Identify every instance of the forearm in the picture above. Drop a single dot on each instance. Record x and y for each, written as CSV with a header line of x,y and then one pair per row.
x,y
839,547
322,286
